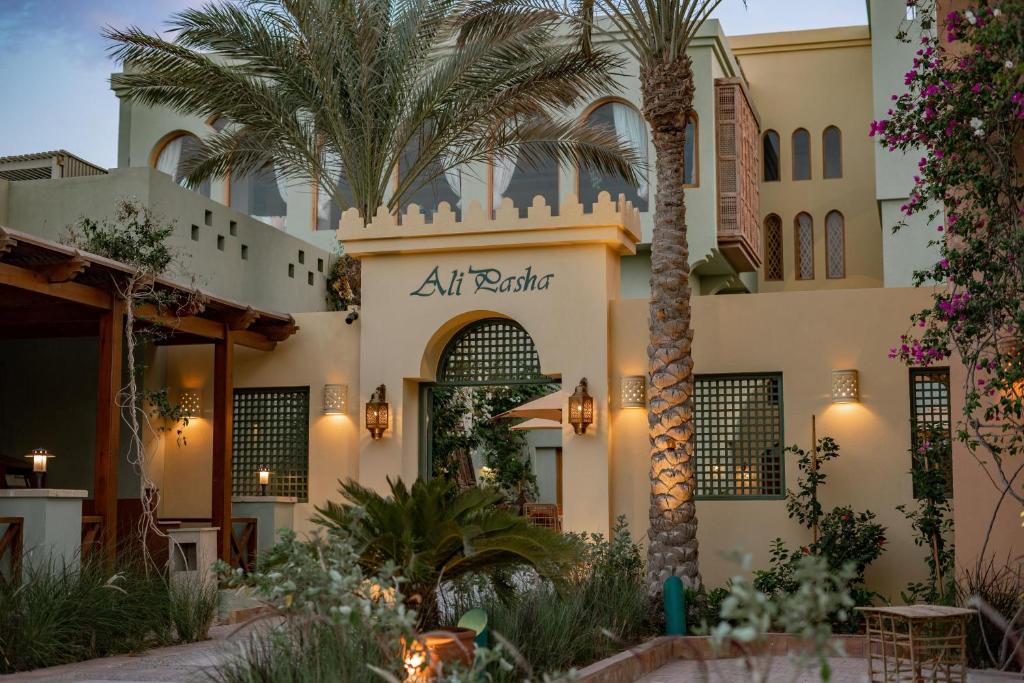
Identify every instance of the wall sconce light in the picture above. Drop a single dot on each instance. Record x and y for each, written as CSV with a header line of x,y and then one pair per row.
x,y
191,402
264,474
581,408
845,386
335,399
377,413
39,457
634,391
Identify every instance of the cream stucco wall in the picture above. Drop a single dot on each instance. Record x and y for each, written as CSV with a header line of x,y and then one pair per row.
x,y
803,335
812,80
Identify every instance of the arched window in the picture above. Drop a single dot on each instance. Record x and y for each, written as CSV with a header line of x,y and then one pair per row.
x,y
801,154
773,248
804,229
691,178
629,126
490,352
172,156
832,149
328,213
835,245
262,194
771,158
445,186
218,122
521,182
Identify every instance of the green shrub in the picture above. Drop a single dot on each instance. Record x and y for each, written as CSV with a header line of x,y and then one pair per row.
x,y
58,615
1001,589
603,608
192,608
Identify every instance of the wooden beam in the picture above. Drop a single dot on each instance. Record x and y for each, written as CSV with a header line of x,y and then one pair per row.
x,y
280,332
190,324
223,405
6,244
243,320
108,426
253,340
65,271
30,280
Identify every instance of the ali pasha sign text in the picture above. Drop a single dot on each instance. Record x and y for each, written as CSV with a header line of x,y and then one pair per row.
x,y
476,280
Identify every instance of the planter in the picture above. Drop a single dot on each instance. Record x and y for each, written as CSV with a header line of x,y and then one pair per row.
x,y
427,655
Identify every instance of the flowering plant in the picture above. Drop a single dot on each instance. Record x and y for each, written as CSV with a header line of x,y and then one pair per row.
x,y
963,113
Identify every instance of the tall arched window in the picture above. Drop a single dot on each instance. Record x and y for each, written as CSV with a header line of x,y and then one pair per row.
x,y
691,178
801,154
771,158
172,156
835,245
262,194
832,150
515,178
328,213
804,229
629,126
773,248
444,186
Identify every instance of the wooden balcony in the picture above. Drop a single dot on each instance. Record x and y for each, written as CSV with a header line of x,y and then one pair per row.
x,y
737,143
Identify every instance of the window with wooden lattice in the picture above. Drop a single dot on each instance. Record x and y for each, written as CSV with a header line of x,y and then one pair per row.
x,y
738,422
804,228
773,269
271,429
931,417
835,245
489,352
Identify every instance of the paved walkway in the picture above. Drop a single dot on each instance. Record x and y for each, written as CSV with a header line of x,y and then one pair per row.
x,y
844,670
176,664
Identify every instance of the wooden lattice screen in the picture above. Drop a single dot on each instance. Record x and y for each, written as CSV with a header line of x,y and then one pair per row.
x,y
491,351
738,420
931,415
271,429
773,263
738,140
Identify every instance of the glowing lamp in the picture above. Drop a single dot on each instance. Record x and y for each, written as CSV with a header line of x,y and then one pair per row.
x,y
39,457
191,401
581,408
335,399
634,391
845,386
264,474
377,413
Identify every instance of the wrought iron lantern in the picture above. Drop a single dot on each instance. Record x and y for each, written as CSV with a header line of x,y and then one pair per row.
x,y
845,386
40,457
335,399
377,413
264,475
581,408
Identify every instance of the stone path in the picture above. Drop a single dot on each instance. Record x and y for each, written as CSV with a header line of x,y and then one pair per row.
x,y
844,670
176,664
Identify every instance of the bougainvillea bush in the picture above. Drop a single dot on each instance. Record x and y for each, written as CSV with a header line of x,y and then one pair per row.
x,y
962,115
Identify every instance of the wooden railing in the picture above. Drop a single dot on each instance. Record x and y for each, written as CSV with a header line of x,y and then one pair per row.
x,y
92,536
243,543
11,546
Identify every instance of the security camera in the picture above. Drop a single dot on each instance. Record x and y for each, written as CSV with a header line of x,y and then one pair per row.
x,y
353,315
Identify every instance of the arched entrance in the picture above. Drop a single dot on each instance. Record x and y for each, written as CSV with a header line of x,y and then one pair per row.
x,y
487,368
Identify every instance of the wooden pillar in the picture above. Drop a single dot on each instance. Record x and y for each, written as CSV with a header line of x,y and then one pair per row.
x,y
223,403
108,425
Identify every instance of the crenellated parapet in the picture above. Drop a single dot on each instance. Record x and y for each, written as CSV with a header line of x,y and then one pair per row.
x,y
615,223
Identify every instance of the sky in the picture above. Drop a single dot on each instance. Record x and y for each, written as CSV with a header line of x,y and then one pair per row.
x,y
55,70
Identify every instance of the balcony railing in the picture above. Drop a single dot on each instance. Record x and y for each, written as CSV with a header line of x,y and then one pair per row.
x,y
737,139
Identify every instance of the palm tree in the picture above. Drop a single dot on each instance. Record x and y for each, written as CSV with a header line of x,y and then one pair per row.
x,y
343,92
433,534
657,34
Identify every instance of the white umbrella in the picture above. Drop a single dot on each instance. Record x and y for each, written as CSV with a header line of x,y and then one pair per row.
x,y
546,407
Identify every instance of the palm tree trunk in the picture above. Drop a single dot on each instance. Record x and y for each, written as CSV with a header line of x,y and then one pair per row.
x,y
672,548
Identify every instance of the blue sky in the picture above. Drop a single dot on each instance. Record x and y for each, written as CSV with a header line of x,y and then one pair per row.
x,y
54,66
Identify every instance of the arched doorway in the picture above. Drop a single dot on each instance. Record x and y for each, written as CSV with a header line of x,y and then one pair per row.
x,y
488,367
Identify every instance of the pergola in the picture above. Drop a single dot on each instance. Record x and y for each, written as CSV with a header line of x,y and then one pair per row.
x,y
49,290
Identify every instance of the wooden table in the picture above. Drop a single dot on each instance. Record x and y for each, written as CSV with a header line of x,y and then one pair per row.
x,y
916,643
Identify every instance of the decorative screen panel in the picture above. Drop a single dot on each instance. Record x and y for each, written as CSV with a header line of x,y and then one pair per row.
x,y
271,429
493,351
804,247
773,248
835,245
738,420
931,415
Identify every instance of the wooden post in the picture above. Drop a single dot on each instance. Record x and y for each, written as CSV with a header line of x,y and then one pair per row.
x,y
223,403
108,426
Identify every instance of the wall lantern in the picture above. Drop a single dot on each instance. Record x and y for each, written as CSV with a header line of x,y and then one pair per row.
x,y
581,408
191,401
845,386
634,391
39,457
377,411
335,399
264,474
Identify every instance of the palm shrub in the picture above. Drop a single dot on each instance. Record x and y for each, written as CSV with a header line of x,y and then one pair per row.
x,y
434,534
